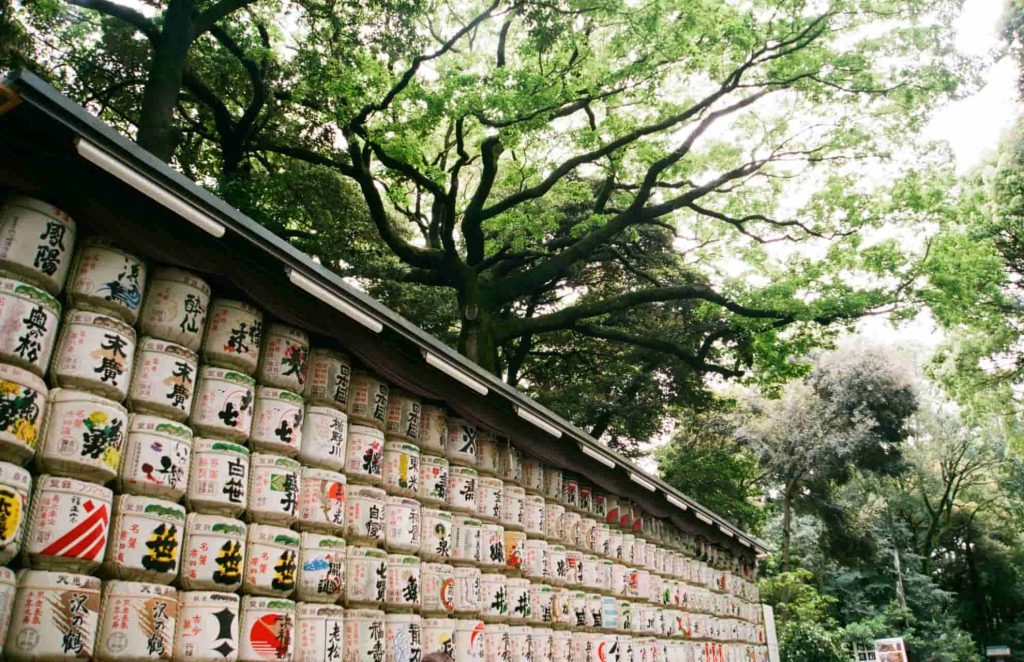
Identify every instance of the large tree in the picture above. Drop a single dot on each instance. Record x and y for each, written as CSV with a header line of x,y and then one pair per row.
x,y
561,188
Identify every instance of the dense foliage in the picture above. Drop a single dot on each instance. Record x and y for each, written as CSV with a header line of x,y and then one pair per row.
x,y
584,197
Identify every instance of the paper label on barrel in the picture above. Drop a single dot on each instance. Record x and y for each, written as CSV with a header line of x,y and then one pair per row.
x,y
275,490
514,549
324,438
277,421
220,478
322,501
364,517
403,417
402,468
156,461
235,332
461,442
533,515
368,398
21,412
214,559
402,525
365,453
438,589
404,642
28,321
433,429
403,585
467,590
147,543
37,242
439,639
437,535
319,639
462,490
492,546
139,625
86,433
270,567
328,379
433,479
224,403
322,573
176,309
69,525
267,633
110,275
13,512
490,498
55,622
365,578
519,601
466,541
470,642
284,362
494,595
205,627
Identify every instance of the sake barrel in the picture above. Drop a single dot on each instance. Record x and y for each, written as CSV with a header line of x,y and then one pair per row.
x,y
156,459
218,482
367,399
145,539
364,515
8,590
403,583
519,643
466,590
551,483
599,539
509,464
322,501
534,511
366,571
23,398
29,317
106,279
469,640
561,641
234,332
626,548
487,452
15,486
321,568
401,474
364,454
56,616
274,484
365,638
589,577
94,353
460,446
213,553
324,436
319,633
69,523
402,532
513,502
36,242
84,436
462,489
435,535
570,526
493,597
570,495
574,565
540,643
490,498
553,513
266,627
402,419
614,548
438,581
404,636
518,599
609,613
327,378
541,603
433,483
492,547
620,580
136,622
600,504
586,499
277,422
535,563
207,628
515,550
439,636
272,559
283,358
223,406
532,476
176,305
557,568
467,534
433,428
496,642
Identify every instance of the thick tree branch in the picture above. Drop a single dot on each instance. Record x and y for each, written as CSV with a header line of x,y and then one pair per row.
x,y
215,13
124,13
656,344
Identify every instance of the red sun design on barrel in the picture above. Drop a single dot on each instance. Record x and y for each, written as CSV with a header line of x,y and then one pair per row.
x,y
270,636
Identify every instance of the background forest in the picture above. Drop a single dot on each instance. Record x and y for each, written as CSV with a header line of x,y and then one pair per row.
x,y
667,220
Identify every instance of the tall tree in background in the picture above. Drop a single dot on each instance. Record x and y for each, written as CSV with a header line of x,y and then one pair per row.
x,y
850,415
560,189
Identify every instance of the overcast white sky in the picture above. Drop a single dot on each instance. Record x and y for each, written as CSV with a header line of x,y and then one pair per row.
x,y
972,127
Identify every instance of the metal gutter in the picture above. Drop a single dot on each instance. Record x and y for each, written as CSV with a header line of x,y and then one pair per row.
x,y
43,98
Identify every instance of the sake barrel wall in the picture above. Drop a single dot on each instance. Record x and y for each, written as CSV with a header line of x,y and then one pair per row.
x,y
185,477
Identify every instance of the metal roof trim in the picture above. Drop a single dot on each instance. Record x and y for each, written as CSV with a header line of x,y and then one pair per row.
x,y
36,92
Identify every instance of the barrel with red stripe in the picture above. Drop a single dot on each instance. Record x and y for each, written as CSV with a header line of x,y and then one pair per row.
x,y
69,525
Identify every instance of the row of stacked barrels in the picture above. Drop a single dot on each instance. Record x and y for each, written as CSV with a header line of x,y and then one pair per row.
x,y
211,467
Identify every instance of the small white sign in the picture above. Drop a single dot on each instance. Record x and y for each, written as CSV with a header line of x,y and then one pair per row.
x,y
891,650
769,633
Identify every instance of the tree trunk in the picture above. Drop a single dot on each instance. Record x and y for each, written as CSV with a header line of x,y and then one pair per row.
x,y
157,132
787,526
476,335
